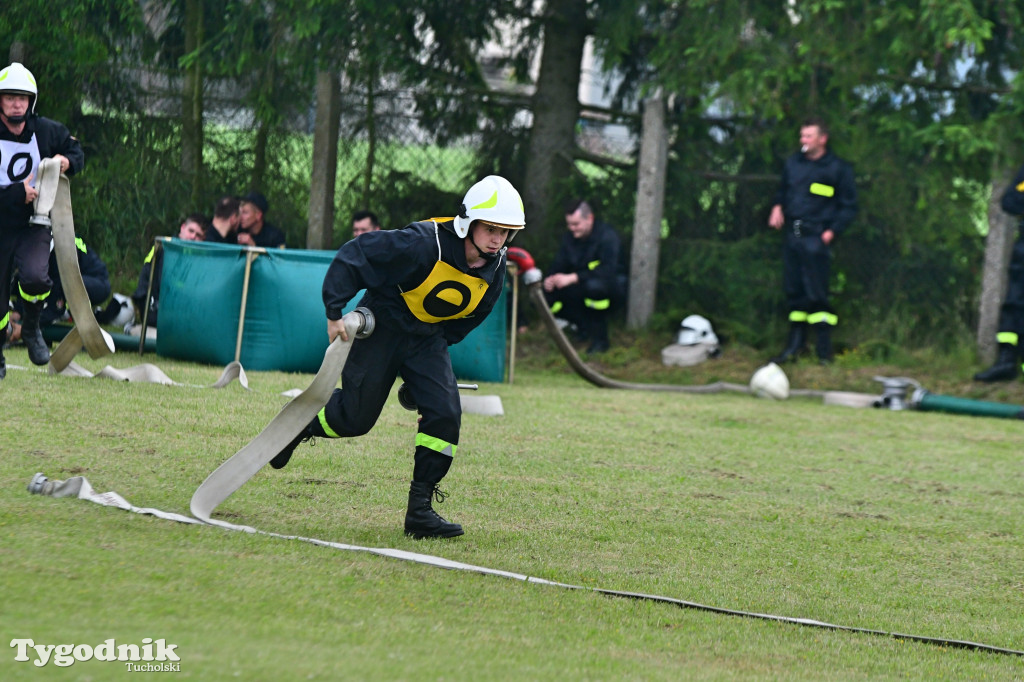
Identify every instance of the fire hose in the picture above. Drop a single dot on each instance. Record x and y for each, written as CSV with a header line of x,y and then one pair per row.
x,y
532,279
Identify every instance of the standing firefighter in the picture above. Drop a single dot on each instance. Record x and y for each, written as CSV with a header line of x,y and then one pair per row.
x,y
427,285
25,140
1011,314
815,203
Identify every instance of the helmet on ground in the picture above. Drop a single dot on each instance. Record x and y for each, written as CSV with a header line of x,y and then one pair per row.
x,y
493,200
695,329
770,382
17,80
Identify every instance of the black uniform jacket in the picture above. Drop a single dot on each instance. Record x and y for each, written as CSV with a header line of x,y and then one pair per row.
x,y
416,280
596,256
52,138
820,192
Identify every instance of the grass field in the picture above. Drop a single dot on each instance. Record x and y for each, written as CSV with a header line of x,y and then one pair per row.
x,y
898,521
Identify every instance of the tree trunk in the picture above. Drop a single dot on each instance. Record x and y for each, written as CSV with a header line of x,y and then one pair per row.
x,y
650,202
555,112
371,136
998,248
192,102
325,161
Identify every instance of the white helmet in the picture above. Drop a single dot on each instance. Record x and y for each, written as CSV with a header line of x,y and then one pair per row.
x,y
695,329
770,381
19,80
493,199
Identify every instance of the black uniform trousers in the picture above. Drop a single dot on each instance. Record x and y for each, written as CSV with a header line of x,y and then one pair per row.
x,y
26,249
369,375
1011,314
806,263
587,305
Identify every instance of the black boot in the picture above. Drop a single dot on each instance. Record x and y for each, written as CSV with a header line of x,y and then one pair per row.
x,y
421,521
1005,368
795,345
32,335
281,458
598,335
823,342
3,361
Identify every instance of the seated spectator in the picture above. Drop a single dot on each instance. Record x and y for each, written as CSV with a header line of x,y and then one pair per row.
x,y
224,226
253,230
193,229
588,276
363,222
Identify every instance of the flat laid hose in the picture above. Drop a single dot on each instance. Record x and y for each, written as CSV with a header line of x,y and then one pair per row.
x,y
282,429
55,199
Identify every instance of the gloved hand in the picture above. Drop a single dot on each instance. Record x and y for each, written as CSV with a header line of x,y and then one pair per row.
x,y
521,257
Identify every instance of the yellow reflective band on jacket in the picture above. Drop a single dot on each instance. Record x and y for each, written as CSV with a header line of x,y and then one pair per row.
x,y
31,299
1008,337
1020,187
446,294
555,307
435,444
3,322
593,265
828,318
149,256
822,190
80,244
602,304
798,316
322,416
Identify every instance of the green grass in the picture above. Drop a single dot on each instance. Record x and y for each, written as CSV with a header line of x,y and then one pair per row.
x,y
899,521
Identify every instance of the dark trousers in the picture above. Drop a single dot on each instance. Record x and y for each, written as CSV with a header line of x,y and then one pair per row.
x,y
369,375
587,305
1011,314
806,263
26,250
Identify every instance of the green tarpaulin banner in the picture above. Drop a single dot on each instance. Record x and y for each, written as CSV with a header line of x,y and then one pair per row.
x,y
284,328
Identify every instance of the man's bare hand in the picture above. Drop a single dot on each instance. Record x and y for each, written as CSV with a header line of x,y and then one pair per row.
x,y
30,192
336,328
776,220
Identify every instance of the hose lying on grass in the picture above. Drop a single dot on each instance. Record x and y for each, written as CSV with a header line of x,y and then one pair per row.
x,y
532,280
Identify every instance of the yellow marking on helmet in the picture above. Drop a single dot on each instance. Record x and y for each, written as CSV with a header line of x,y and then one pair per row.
x,y
1020,187
490,203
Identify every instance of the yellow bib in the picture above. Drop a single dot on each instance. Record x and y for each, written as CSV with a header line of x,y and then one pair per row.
x,y
446,294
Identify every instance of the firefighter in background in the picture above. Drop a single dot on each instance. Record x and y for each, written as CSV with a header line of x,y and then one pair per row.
x,y
427,285
25,140
815,203
1011,314
588,276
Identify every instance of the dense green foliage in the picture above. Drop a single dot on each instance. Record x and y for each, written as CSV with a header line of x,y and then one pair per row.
x,y
921,96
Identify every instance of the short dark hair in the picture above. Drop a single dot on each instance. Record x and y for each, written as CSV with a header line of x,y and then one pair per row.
x,y
581,205
816,121
363,215
199,219
226,207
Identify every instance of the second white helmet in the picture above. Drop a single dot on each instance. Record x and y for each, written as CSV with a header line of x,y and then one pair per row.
x,y
19,80
494,200
695,329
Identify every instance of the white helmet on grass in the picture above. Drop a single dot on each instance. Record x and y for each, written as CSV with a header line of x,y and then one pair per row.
x,y
17,80
493,200
695,329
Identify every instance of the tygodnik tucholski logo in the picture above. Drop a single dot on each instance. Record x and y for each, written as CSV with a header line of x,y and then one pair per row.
x,y
150,656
